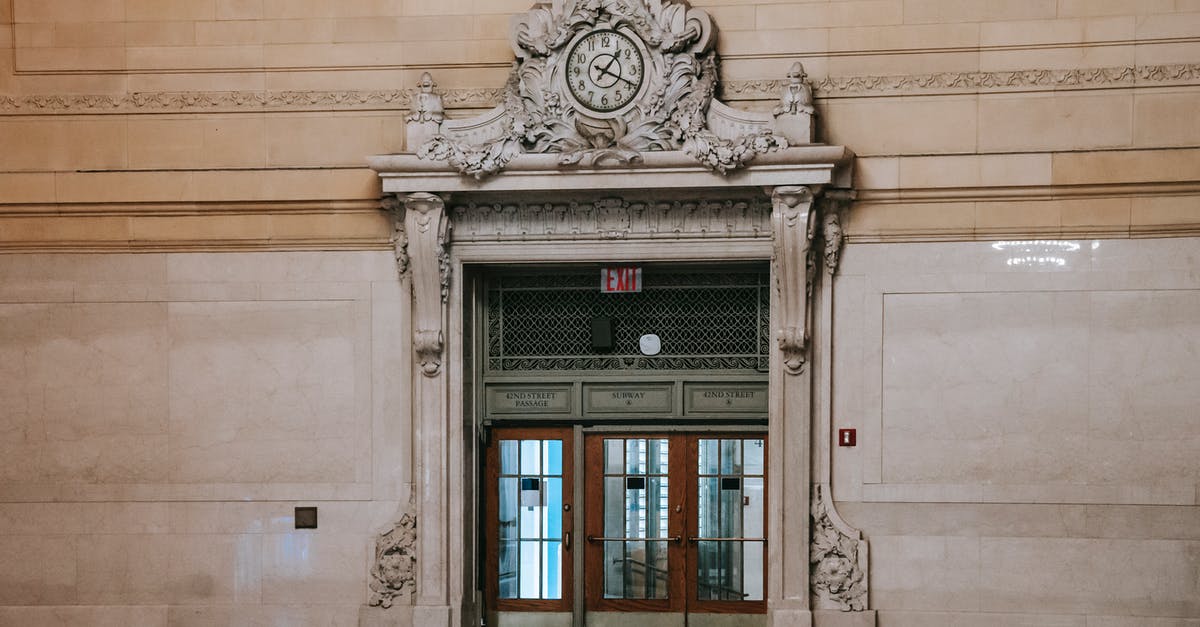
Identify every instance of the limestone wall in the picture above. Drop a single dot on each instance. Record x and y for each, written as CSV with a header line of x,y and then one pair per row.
x,y
198,297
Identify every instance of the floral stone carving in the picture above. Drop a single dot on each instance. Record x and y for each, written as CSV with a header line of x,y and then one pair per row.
x,y
837,558
669,112
393,574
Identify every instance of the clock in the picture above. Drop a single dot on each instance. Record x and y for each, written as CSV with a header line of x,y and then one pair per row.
x,y
605,70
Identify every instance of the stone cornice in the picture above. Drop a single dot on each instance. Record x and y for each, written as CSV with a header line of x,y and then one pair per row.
x,y
766,90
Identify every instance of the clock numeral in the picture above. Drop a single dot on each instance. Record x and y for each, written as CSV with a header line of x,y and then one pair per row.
x,y
581,57
577,70
591,96
591,44
618,96
582,85
605,42
604,101
628,53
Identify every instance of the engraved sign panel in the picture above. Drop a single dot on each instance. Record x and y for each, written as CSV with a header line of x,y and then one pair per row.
x,y
632,399
527,399
725,398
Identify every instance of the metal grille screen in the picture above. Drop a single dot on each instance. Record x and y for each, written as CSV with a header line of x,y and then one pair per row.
x,y
707,321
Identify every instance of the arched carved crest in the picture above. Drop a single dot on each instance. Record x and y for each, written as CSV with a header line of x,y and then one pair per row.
x,y
671,112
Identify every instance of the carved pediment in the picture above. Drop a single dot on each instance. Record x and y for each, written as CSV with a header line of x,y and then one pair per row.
x,y
601,82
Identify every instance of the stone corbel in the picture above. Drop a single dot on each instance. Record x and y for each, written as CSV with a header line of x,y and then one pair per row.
x,y
427,228
794,222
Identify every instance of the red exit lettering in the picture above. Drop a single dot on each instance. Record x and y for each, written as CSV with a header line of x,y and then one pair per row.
x,y
620,279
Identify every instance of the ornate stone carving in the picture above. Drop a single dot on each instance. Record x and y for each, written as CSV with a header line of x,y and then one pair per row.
x,y
831,232
481,98
425,118
391,204
794,115
613,219
837,559
794,226
427,229
668,114
393,573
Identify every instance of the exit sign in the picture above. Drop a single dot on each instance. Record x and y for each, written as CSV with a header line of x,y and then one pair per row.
x,y
620,279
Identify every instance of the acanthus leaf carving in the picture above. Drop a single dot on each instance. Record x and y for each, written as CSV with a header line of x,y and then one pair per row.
x,y
392,205
427,229
393,572
794,228
838,562
681,74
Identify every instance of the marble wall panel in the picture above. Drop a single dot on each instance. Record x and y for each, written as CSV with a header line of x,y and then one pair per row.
x,y
90,615
38,570
264,392
314,569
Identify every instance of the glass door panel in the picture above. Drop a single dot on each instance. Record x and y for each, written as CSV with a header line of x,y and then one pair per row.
x,y
529,519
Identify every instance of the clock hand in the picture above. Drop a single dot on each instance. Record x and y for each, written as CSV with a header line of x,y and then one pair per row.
x,y
618,77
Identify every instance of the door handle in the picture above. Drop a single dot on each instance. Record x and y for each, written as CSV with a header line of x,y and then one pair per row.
x,y
675,539
567,541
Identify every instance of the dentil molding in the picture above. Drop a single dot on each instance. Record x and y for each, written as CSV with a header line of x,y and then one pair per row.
x,y
474,98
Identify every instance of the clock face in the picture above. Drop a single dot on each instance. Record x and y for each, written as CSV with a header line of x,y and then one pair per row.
x,y
605,70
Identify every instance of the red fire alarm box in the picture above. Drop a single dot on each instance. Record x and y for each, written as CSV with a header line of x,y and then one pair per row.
x,y
847,437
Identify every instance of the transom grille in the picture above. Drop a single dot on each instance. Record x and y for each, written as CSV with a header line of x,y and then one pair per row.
x,y
706,321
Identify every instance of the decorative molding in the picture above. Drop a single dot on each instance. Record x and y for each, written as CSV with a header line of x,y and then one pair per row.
x,y
613,219
837,558
480,98
392,205
393,573
794,227
427,230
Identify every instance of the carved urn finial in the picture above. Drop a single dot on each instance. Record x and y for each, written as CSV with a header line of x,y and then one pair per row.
x,y
795,113
425,120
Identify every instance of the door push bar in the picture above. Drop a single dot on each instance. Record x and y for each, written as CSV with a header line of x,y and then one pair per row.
x,y
669,539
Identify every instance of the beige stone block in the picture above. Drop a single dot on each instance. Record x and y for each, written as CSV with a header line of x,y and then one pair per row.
x,y
1149,166
31,519
939,171
96,187
436,7
767,41
1055,121
889,618
877,173
1014,216
202,82
358,29
1166,119
83,268
26,188
69,59
336,55
329,184
1168,25
926,11
903,64
89,35
1072,8
34,35
199,228
314,568
298,9
228,33
832,14
148,34
917,572
137,518
1165,211
1139,577
307,140
290,31
265,616
1058,58
904,37
239,9
733,17
169,10
27,11
291,267
194,57
1097,212
215,569
281,406
58,230
37,570
876,219
123,569
219,141
92,616
354,227
891,126
1057,31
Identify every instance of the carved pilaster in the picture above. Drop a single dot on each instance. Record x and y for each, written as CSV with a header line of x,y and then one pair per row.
x,y
393,573
391,204
426,230
838,558
794,224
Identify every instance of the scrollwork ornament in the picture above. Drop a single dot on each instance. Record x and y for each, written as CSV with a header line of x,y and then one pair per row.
x,y
837,559
670,114
831,232
391,204
393,573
